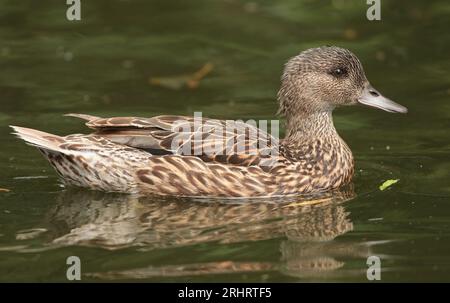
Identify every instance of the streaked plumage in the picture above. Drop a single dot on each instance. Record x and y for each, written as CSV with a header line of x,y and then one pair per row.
x,y
137,155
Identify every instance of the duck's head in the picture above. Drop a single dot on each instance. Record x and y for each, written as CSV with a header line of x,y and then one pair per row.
x,y
321,79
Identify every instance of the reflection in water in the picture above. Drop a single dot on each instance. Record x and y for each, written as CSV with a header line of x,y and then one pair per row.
x,y
113,221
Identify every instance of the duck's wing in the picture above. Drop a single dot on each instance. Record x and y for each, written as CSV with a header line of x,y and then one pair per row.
x,y
212,140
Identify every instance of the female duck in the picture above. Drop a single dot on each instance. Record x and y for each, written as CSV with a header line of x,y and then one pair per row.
x,y
137,155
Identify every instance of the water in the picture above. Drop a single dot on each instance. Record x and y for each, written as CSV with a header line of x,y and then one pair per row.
x,y
102,66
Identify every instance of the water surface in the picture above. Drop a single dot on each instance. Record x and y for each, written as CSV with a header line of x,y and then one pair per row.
x,y
102,66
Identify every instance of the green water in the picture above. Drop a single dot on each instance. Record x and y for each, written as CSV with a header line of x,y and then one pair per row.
x,y
101,65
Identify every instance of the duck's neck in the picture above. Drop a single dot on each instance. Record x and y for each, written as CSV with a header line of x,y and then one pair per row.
x,y
323,145
313,126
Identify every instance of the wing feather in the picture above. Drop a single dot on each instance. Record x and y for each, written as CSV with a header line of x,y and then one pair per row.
x,y
228,142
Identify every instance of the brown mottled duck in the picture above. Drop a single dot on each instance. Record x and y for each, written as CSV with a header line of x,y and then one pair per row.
x,y
138,155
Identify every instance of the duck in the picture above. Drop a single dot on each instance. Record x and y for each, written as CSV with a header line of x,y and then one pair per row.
x,y
138,155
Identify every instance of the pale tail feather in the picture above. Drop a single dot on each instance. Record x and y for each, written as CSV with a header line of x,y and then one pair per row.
x,y
82,116
80,167
39,139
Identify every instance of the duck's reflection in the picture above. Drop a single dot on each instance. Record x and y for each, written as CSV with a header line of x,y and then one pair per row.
x,y
116,221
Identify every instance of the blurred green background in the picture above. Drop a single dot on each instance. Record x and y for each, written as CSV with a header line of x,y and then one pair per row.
x,y
102,65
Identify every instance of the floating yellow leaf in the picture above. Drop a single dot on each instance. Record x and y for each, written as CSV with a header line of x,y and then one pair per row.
x,y
388,183
190,81
5,190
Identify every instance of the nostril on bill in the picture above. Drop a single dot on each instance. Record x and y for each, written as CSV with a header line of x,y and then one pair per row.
x,y
374,93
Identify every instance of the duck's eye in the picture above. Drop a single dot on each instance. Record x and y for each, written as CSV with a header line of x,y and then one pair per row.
x,y
338,72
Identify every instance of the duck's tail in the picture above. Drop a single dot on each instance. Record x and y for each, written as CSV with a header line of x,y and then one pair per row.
x,y
41,140
78,162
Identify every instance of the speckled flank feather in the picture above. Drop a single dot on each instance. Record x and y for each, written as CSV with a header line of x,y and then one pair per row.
x,y
136,155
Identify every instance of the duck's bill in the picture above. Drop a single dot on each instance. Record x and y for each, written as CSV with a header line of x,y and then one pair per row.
x,y
372,97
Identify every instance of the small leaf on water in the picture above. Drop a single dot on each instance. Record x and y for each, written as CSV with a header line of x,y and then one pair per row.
x,y
5,190
388,183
